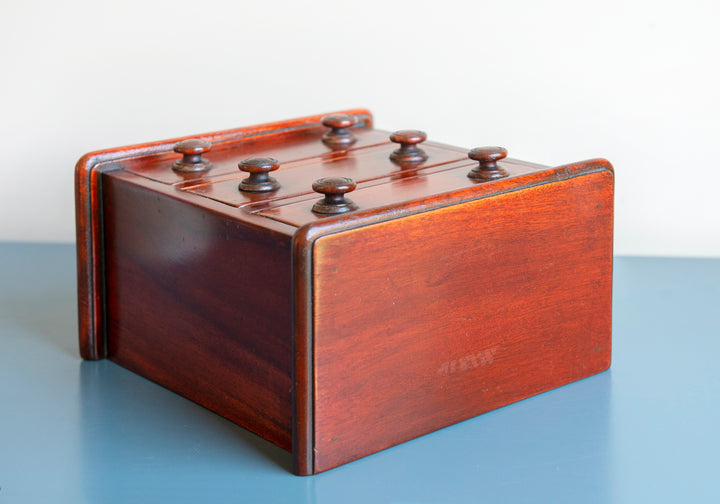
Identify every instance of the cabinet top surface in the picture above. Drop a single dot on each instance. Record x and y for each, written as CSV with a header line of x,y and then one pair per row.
x,y
273,171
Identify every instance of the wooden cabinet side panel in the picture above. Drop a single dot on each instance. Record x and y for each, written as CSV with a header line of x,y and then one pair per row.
x,y
200,303
428,320
91,316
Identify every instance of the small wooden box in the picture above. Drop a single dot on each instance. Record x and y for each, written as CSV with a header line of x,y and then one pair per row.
x,y
438,298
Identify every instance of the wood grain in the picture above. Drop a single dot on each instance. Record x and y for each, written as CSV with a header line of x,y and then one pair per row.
x,y
336,336
184,306
144,159
425,321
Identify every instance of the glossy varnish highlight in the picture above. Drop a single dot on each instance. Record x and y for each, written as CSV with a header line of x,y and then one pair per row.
x,y
440,297
183,308
450,313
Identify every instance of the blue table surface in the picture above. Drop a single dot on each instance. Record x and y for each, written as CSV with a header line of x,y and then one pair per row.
x,y
93,432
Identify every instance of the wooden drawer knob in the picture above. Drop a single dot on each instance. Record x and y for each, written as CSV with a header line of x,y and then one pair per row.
x,y
488,158
192,160
408,152
259,179
339,135
334,189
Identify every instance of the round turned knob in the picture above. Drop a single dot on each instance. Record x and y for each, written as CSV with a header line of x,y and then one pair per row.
x,y
408,152
334,189
488,158
192,160
259,180
339,135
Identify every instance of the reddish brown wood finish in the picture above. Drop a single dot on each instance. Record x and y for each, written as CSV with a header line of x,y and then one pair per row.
x,y
183,307
428,320
339,135
335,336
595,173
296,177
192,160
155,158
259,180
409,152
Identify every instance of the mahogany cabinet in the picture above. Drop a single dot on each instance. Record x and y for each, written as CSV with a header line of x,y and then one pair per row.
x,y
339,289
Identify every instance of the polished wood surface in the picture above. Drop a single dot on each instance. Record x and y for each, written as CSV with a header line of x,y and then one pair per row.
x,y
409,151
154,161
425,321
259,179
293,146
487,168
408,190
334,189
339,134
183,306
336,335
366,166
192,160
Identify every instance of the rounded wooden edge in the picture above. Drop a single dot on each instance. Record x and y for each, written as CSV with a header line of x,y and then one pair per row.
x,y
339,121
88,246
192,146
302,256
259,165
487,154
251,184
334,185
409,136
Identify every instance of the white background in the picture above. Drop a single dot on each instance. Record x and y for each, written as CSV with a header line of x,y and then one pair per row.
x,y
636,82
